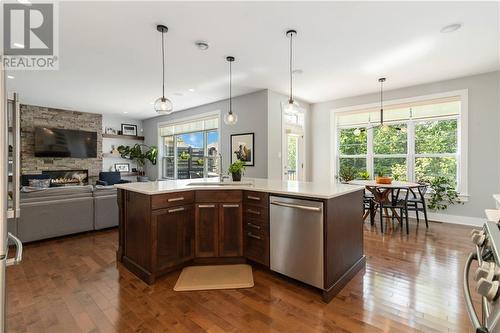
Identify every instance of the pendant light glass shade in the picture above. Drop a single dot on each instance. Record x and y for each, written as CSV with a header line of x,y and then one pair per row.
x,y
230,118
163,105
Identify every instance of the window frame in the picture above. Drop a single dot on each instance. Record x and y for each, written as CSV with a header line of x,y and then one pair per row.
x,y
161,147
462,137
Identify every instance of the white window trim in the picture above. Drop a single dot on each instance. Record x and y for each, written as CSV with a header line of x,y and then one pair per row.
x,y
161,151
462,128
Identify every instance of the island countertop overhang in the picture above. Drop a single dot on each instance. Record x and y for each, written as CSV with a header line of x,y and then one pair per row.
x,y
293,188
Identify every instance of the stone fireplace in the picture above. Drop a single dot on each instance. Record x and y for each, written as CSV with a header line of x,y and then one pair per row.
x,y
67,177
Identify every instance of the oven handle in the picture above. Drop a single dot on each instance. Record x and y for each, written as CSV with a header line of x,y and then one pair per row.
x,y
468,299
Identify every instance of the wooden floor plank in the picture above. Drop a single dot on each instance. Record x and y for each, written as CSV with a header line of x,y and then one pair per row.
x,y
412,283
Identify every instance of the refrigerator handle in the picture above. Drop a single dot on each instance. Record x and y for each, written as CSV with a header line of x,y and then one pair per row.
x,y
19,251
16,176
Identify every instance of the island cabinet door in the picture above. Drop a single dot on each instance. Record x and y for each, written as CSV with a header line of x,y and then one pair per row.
x,y
207,230
230,230
174,236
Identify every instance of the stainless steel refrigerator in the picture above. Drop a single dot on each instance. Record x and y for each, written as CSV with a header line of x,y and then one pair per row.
x,y
9,187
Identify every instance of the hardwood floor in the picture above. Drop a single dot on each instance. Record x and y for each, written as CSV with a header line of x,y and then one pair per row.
x,y
411,283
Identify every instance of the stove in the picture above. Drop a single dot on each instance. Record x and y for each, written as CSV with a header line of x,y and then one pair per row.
x,y
486,278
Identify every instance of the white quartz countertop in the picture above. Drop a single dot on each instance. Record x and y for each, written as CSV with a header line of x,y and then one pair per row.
x,y
305,189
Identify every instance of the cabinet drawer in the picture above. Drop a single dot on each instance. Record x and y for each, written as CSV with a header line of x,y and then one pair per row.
x,y
171,199
256,246
251,211
256,198
218,196
256,225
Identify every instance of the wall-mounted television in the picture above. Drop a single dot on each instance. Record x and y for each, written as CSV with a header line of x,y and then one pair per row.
x,y
58,142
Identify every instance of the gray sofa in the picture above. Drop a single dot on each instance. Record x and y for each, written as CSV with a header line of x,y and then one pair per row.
x,y
59,211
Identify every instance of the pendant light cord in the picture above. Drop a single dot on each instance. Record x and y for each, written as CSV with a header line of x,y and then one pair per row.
x,y
163,64
230,88
291,59
381,102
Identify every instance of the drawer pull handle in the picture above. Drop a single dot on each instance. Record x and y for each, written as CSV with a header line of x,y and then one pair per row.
x,y
175,199
175,210
253,225
251,197
206,206
251,211
230,206
253,236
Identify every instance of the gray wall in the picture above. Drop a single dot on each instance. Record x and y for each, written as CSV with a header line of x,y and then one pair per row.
x,y
483,139
252,117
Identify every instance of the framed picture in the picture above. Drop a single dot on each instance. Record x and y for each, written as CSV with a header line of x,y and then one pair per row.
x,y
110,130
128,129
122,167
242,148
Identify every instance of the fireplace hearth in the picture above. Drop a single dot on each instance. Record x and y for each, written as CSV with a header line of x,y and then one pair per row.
x,y
67,177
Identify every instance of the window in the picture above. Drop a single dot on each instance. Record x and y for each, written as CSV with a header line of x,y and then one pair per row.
x,y
422,141
190,149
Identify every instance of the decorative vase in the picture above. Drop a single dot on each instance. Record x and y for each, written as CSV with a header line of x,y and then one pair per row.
x,y
142,179
236,176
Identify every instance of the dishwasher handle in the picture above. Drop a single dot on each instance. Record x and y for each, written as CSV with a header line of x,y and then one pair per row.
x,y
303,207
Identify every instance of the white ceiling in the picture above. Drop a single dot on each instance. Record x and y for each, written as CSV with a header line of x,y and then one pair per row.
x,y
110,58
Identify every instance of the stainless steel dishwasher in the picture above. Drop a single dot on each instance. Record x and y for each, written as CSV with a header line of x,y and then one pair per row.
x,y
296,239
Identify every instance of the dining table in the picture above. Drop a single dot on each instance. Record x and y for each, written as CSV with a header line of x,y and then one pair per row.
x,y
385,195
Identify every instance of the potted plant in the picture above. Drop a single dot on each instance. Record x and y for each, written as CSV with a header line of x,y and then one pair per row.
x,y
236,170
139,153
347,173
442,193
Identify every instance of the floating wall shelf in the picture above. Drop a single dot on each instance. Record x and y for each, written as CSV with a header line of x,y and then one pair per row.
x,y
127,137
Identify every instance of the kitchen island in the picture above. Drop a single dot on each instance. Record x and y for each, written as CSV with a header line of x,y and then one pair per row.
x,y
167,225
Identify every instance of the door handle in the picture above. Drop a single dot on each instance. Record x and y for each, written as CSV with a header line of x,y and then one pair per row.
x,y
253,236
251,197
19,251
255,226
251,211
284,204
206,206
175,199
230,206
180,209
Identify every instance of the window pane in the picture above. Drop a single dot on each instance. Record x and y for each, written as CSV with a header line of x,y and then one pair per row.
x,y
358,164
190,155
168,142
212,143
394,167
390,141
438,136
428,168
350,143
168,167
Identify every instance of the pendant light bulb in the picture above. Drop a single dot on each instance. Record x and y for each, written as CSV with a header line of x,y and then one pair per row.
x,y
163,105
230,118
384,128
356,132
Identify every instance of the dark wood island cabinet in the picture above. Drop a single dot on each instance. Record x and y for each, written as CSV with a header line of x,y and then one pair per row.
x,y
160,233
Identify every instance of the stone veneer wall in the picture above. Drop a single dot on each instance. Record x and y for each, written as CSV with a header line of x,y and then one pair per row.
x,y
37,116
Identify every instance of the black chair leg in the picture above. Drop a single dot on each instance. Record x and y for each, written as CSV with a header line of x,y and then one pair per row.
x,y
381,219
401,219
425,215
416,213
407,224
372,213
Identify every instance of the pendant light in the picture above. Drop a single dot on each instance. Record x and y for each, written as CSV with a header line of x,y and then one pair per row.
x,y
163,105
383,126
230,118
291,107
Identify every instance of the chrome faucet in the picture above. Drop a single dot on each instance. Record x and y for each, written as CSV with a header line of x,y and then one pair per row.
x,y
221,175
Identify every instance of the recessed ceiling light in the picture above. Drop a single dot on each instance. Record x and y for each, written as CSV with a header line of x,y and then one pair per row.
x,y
125,112
178,94
152,103
19,45
24,2
191,89
297,71
201,45
451,28
11,77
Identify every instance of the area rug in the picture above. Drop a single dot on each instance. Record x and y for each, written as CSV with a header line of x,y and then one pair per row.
x,y
215,277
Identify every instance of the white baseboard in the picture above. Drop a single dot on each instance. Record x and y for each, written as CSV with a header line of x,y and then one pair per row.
x,y
454,219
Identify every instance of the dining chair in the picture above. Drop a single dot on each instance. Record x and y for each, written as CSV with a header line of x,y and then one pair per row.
x,y
385,199
368,207
416,203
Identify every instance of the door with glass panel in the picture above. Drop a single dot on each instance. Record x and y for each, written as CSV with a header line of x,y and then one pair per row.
x,y
293,157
